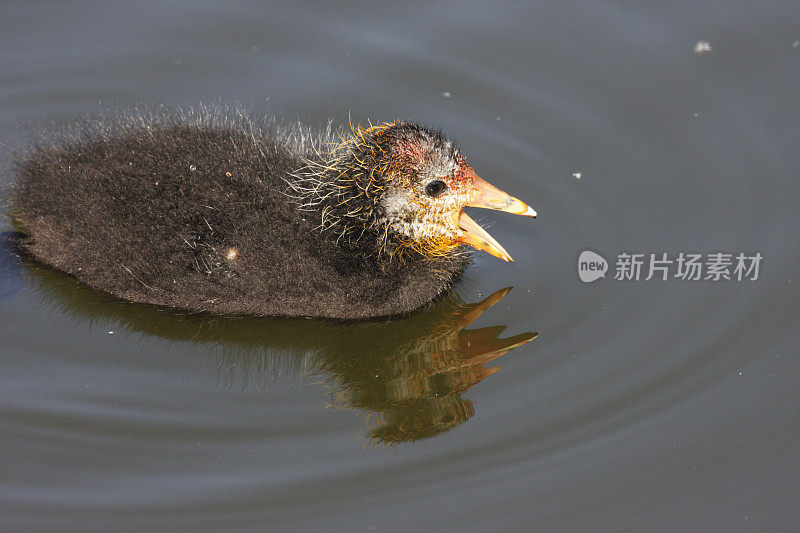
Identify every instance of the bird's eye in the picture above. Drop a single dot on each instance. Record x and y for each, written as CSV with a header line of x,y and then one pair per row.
x,y
435,188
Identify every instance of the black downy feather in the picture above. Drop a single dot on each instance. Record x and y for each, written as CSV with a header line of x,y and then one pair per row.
x,y
198,211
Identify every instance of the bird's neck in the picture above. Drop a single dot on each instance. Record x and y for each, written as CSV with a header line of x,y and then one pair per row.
x,y
344,192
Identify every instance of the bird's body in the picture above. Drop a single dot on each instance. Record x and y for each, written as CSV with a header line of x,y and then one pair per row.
x,y
216,215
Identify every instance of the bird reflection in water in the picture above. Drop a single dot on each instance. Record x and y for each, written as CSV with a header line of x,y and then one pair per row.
x,y
414,380
406,374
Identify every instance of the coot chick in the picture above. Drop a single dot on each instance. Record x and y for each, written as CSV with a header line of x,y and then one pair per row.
x,y
213,214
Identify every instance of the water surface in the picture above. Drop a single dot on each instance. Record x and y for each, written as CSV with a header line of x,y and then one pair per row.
x,y
665,405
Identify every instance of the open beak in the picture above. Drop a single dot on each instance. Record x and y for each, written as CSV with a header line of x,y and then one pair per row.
x,y
489,197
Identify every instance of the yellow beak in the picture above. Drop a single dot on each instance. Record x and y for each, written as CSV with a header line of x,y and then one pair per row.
x,y
489,197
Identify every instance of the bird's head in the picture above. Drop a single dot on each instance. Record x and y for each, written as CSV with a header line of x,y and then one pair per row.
x,y
406,184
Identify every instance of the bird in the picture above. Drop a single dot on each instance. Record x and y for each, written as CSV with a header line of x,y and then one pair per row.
x,y
216,212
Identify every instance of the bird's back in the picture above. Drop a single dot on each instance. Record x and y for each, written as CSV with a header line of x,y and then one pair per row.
x,y
196,216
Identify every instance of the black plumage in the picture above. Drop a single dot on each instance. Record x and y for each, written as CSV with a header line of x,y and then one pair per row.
x,y
206,213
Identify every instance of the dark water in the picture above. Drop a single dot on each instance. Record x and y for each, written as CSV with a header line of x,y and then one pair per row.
x,y
661,404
